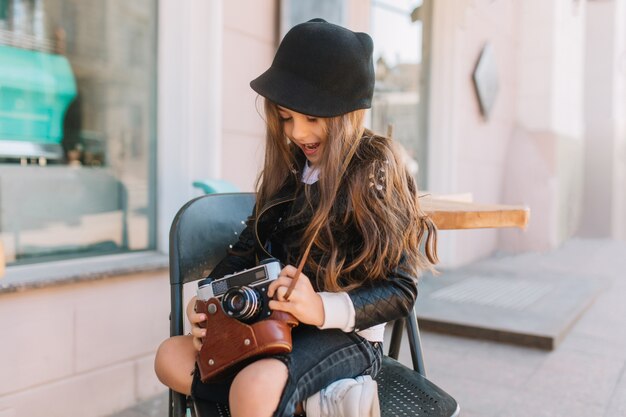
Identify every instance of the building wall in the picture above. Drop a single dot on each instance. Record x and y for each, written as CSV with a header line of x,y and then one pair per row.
x,y
529,151
482,143
604,204
359,15
250,40
468,152
84,349
544,168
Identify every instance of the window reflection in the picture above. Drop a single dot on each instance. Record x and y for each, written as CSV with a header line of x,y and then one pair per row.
x,y
398,63
77,118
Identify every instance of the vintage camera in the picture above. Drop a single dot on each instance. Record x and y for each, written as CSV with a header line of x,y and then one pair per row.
x,y
243,295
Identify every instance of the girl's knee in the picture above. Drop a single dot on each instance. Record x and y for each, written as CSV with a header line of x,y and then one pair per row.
x,y
263,372
174,362
260,384
164,354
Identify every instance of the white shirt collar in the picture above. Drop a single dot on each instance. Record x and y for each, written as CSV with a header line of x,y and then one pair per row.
x,y
310,175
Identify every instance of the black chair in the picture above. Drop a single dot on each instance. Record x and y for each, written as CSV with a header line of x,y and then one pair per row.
x,y
201,233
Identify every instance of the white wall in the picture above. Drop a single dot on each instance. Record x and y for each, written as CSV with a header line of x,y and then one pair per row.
x,y
208,125
568,68
543,168
189,115
619,207
544,158
604,212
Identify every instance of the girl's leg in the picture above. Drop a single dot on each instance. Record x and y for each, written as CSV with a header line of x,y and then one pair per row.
x,y
321,357
175,362
256,390
278,385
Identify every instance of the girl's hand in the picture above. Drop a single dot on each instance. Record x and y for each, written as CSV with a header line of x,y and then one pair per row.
x,y
304,303
196,319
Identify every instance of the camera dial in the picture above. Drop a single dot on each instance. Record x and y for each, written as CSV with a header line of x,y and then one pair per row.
x,y
242,303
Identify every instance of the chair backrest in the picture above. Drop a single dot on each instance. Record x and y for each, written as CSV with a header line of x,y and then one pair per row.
x,y
200,236
202,231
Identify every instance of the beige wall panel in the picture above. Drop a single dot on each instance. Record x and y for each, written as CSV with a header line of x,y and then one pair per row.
x,y
243,159
78,340
92,394
532,180
255,18
359,14
245,58
37,339
128,318
247,54
147,384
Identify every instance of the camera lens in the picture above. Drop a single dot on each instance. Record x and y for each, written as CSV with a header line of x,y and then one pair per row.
x,y
242,303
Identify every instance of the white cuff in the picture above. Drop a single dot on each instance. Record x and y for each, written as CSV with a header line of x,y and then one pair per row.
x,y
338,311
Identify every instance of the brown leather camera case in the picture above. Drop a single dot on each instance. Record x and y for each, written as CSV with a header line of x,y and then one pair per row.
x,y
229,344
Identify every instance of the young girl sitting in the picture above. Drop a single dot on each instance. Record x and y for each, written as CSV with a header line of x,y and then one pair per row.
x,y
331,184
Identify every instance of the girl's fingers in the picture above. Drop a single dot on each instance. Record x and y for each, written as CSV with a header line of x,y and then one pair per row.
x,y
307,309
280,293
195,318
289,271
285,306
278,282
197,343
198,332
285,278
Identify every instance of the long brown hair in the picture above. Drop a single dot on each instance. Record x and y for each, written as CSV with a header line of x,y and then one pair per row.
x,y
364,188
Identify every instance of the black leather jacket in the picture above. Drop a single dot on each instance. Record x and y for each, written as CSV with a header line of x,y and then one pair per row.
x,y
276,233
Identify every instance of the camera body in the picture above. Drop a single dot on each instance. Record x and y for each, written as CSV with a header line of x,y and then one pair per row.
x,y
243,295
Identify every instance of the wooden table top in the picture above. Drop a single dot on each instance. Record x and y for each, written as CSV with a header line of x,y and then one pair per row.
x,y
450,214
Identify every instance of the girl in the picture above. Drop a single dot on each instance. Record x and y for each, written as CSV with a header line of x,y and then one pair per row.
x,y
331,185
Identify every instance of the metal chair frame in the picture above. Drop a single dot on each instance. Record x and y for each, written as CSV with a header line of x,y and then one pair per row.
x,y
199,237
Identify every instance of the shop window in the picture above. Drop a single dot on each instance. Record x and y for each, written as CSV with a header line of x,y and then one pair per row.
x,y
399,105
77,128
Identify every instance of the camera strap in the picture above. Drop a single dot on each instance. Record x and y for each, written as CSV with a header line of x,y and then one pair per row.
x,y
300,266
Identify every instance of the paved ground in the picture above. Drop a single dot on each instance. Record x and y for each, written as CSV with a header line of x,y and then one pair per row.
x,y
584,377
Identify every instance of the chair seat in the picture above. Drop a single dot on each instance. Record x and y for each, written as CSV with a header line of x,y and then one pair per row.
x,y
401,390
404,392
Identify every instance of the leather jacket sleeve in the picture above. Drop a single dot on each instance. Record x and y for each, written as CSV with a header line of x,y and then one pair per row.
x,y
384,300
241,256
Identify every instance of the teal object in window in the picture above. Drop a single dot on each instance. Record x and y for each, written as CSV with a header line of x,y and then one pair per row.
x,y
215,186
36,89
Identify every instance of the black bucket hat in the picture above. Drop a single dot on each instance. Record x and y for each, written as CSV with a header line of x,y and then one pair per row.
x,y
321,70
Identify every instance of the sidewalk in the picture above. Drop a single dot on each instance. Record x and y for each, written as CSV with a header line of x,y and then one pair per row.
x,y
584,377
